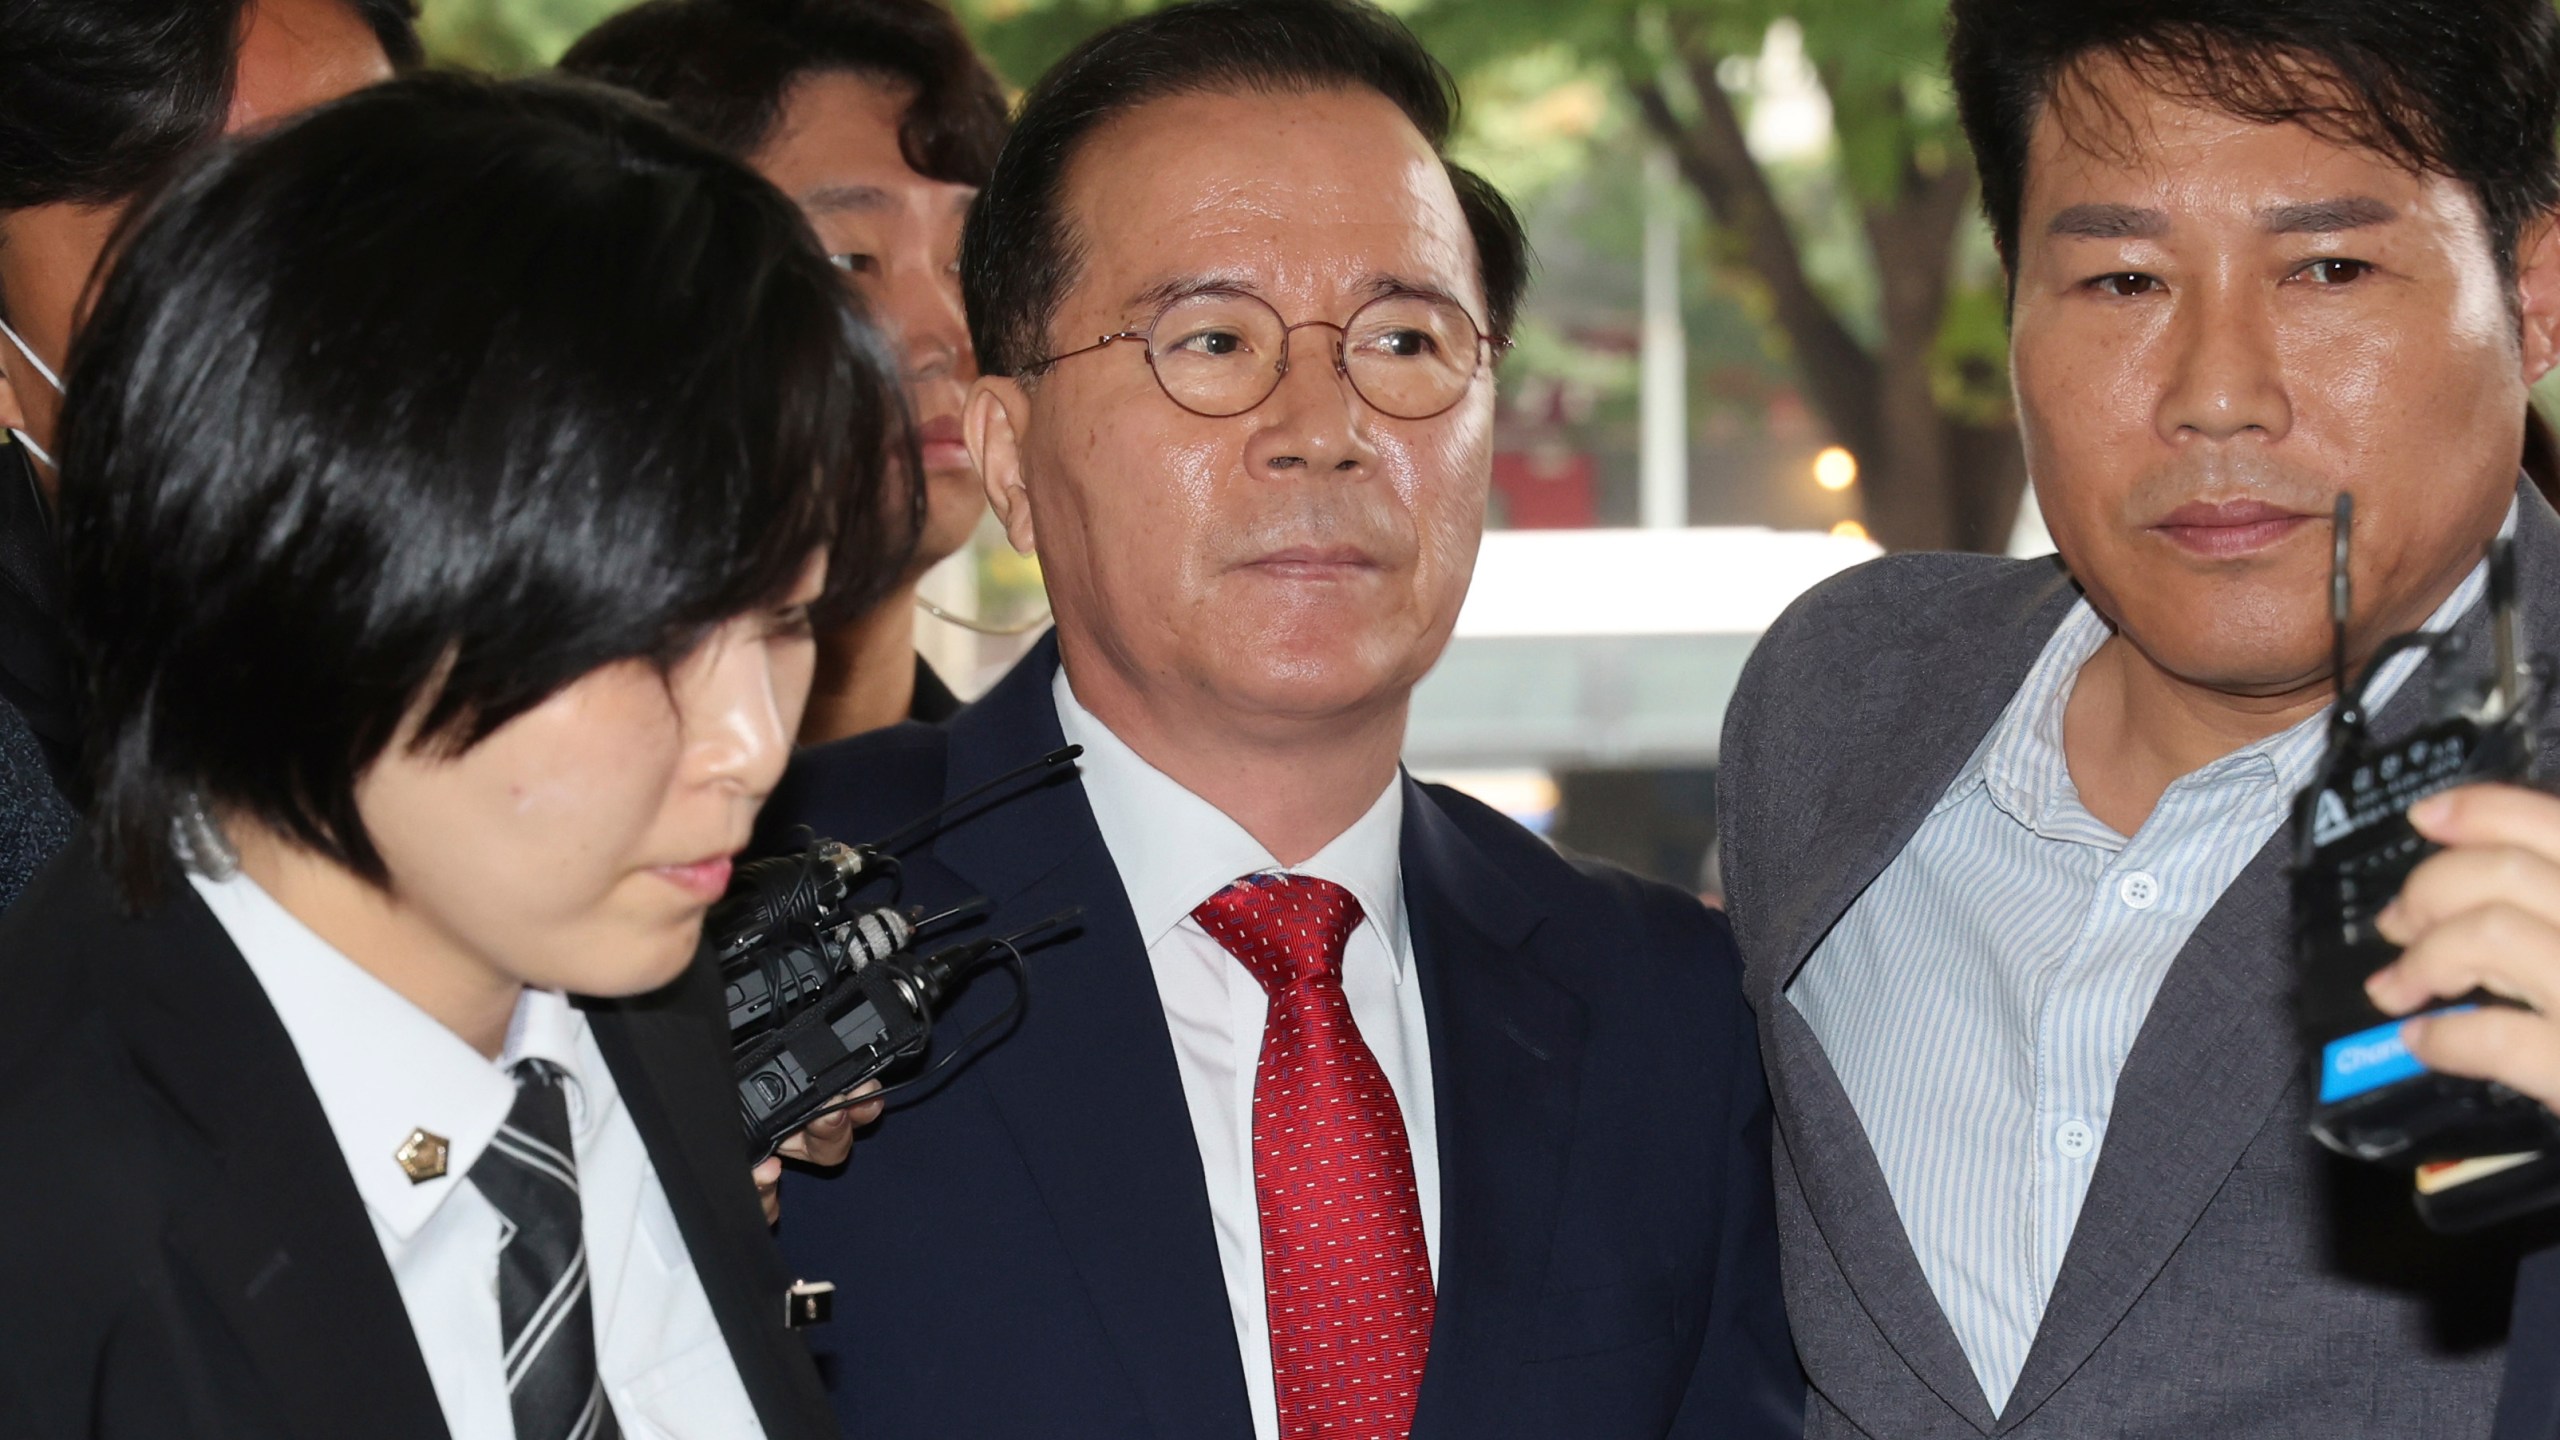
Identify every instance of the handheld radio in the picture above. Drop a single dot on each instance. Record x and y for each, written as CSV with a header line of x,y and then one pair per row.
x,y
816,970
2481,1151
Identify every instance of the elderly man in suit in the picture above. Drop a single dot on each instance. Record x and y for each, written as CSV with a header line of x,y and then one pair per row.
x,y
1353,1110
2007,840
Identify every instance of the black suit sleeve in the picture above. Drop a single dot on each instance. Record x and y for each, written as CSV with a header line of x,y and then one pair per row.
x,y
35,822
2529,1408
1747,1382
669,1052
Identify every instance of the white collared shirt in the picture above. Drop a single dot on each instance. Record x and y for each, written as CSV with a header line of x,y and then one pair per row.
x,y
382,1067
1174,850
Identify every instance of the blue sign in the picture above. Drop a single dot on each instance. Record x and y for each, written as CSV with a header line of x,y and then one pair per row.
x,y
2369,1060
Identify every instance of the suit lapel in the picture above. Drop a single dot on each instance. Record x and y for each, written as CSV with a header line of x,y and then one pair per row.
x,y
2219,1050
1087,1086
2214,1056
1923,706
669,1062
1835,1168
1506,1064
275,1232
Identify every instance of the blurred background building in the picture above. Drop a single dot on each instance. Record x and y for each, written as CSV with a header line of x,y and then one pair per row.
x,y
1765,341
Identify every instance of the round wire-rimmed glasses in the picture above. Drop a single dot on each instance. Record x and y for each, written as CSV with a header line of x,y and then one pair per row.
x,y
1221,353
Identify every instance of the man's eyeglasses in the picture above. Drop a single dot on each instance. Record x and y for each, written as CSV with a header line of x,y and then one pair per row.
x,y
1410,357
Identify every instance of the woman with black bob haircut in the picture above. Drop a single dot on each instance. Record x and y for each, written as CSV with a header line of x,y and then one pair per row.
x,y
451,482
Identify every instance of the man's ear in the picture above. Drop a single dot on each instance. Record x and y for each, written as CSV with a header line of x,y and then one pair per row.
x,y
2538,293
992,424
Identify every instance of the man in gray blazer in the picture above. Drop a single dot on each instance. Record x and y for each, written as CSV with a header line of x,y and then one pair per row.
x,y
2006,841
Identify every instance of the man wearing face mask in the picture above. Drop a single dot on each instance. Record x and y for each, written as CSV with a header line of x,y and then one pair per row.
x,y
97,102
881,122
1351,1109
2007,842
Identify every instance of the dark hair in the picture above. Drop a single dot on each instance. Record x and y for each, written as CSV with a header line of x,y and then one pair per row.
x,y
1017,257
2468,89
727,68
2541,453
97,97
425,406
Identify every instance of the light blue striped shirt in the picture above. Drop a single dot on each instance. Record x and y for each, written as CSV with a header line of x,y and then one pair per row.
x,y
1979,999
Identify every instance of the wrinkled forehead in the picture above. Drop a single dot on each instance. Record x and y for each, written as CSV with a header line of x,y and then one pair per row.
x,y
1307,198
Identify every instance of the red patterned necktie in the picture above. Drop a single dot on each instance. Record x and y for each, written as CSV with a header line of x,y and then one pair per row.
x,y
1345,1273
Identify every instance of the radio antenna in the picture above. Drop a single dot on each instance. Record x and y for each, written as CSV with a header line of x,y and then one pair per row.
x,y
925,824
2506,695
2348,714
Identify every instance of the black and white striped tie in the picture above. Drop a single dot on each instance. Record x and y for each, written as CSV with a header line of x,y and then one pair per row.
x,y
545,1316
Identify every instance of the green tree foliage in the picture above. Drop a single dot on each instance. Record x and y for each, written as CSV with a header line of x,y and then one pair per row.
x,y
1912,385
507,37
1901,360
1867,267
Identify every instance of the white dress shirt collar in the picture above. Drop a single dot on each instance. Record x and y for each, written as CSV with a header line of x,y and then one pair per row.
x,y
381,1066
2021,762
1175,849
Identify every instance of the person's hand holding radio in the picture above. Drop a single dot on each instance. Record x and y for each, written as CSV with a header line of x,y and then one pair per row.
x,y
825,1141
2482,915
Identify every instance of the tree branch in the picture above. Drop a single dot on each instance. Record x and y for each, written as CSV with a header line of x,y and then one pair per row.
x,y
1713,155
1913,238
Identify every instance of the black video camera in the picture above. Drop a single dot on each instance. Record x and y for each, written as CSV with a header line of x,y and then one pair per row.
x,y
820,981
2481,1152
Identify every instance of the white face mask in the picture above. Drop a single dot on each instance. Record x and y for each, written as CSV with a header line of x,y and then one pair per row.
x,y
50,378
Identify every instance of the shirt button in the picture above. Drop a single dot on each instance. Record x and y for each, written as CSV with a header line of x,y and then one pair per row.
x,y
2075,1139
2139,890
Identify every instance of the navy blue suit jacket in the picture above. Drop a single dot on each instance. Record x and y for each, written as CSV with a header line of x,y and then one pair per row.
x,y
1027,1252
2529,1409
